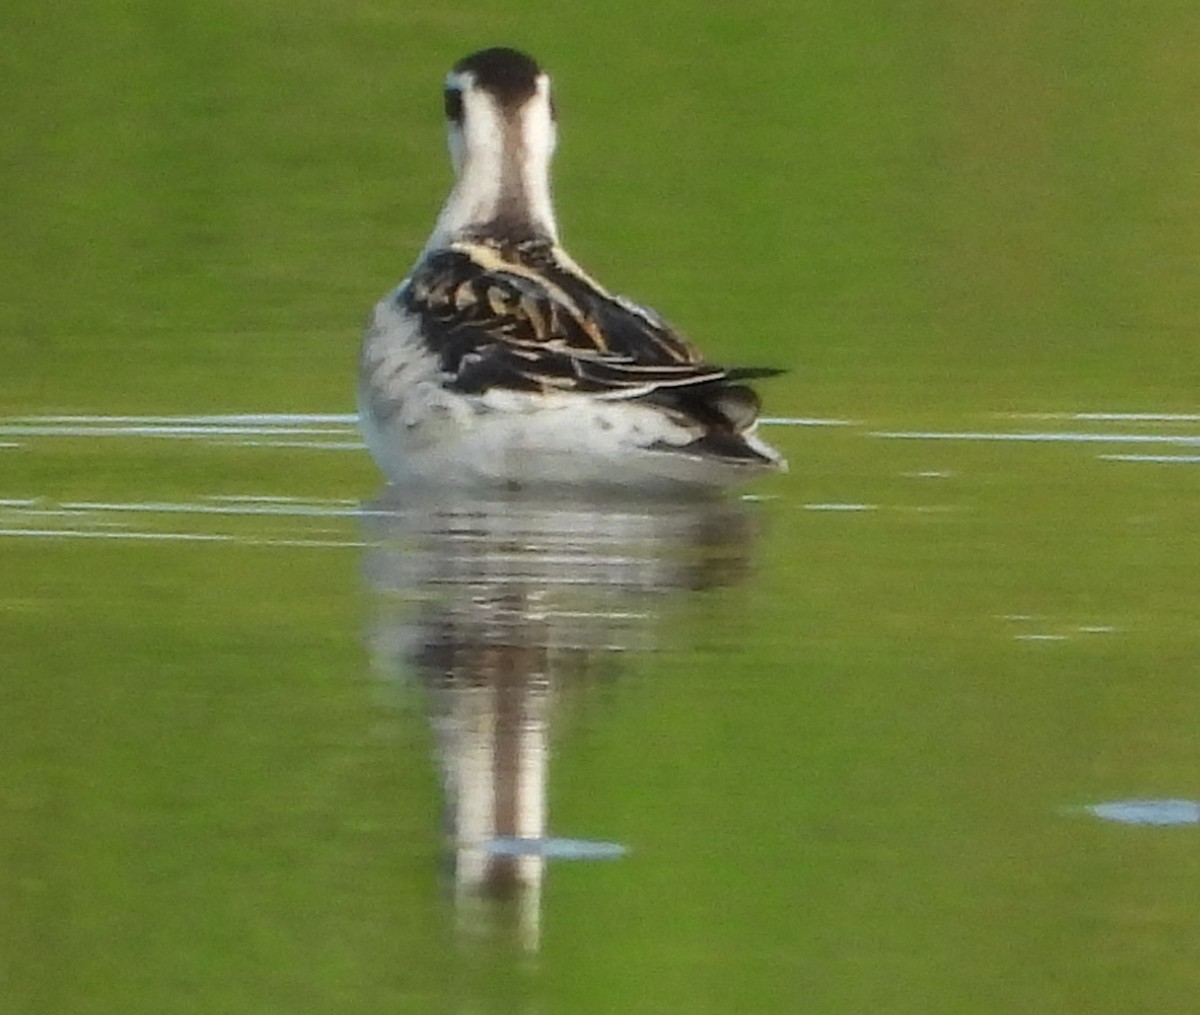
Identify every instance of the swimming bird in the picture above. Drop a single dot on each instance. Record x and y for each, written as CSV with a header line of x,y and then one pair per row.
x,y
500,362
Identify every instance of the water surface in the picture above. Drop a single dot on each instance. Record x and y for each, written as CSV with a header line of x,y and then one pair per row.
x,y
848,719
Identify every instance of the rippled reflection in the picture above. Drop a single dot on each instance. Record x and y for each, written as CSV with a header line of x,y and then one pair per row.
x,y
504,611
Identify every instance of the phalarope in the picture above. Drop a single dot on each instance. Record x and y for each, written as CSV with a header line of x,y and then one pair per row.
x,y
499,361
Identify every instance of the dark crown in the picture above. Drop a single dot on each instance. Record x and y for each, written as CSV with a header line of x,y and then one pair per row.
x,y
507,73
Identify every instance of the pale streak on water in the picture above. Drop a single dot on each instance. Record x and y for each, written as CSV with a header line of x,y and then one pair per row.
x,y
1068,438
29,516
25,514
1076,436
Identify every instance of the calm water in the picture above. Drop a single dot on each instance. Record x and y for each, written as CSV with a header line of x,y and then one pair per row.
x,y
911,728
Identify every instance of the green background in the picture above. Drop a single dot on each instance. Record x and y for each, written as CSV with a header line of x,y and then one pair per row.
x,y
939,202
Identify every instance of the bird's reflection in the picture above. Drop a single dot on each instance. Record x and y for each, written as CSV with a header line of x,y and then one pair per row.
x,y
504,609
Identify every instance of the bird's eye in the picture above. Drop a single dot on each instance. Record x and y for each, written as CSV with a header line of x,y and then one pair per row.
x,y
454,105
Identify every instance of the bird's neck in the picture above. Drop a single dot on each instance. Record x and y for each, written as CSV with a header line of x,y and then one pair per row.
x,y
502,191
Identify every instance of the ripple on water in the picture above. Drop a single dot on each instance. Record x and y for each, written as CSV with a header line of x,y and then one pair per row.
x,y
554,848
250,519
1142,428
321,431
295,521
1146,812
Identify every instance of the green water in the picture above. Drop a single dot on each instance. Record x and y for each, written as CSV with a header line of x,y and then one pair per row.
x,y
839,727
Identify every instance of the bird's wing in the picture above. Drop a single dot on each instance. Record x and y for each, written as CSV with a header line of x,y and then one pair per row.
x,y
526,319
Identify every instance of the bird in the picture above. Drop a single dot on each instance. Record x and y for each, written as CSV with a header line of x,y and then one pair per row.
x,y
498,362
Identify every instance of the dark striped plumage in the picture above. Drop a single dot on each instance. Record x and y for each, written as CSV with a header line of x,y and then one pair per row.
x,y
516,316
